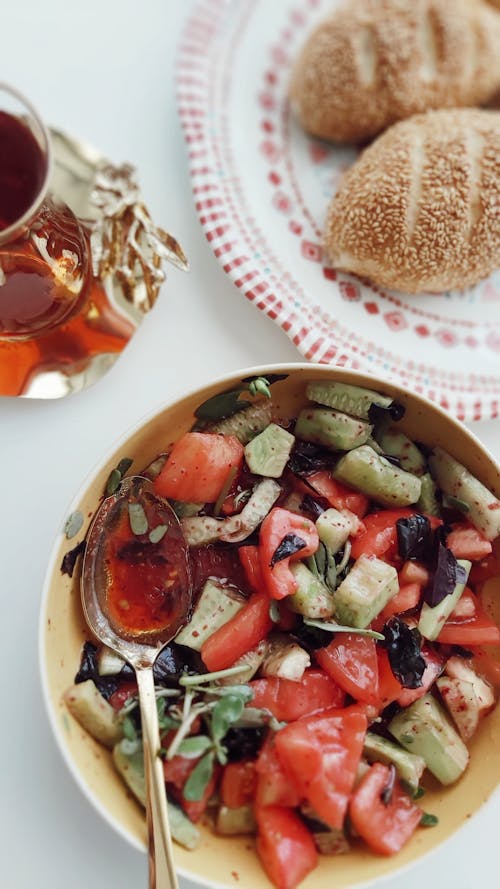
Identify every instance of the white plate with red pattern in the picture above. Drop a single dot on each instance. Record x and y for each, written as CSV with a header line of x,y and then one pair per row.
x,y
262,188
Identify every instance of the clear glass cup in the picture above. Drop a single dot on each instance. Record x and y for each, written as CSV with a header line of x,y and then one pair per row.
x,y
45,264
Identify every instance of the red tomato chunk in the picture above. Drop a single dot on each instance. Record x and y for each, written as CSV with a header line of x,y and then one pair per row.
x,y
288,700
285,846
198,467
351,660
322,754
384,825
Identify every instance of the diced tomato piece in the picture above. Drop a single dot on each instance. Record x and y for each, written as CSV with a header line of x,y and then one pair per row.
x,y
408,597
240,634
322,752
277,525
479,629
484,570
177,770
380,536
413,572
466,542
274,787
338,495
220,561
384,825
250,560
285,847
199,466
238,783
351,660
289,700
389,688
120,697
434,664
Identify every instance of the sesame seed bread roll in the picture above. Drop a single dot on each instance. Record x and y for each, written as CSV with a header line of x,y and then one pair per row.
x,y
374,62
420,208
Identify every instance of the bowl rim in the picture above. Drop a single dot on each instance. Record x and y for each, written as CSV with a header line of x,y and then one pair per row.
x,y
147,418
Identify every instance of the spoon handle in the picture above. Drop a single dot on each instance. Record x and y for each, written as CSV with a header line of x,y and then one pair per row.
x,y
161,864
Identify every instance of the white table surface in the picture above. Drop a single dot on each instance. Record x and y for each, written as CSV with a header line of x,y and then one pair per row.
x,y
103,69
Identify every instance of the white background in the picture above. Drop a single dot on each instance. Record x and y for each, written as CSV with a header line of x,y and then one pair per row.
x,y
104,71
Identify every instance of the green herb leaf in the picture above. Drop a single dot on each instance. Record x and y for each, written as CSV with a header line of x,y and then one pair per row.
x,y
240,691
428,820
73,524
129,729
225,712
158,533
419,793
116,475
225,404
260,386
197,782
202,678
332,627
194,747
137,517
124,465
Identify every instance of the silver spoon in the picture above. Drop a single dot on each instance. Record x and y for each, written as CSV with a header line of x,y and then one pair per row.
x,y
119,561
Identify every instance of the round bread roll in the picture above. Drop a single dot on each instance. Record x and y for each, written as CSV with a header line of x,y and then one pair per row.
x,y
420,209
374,62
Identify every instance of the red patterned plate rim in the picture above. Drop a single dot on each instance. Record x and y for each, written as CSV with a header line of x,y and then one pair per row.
x,y
204,82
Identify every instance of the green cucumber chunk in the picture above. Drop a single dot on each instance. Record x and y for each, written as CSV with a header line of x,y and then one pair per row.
x,y
331,429
311,598
131,768
409,766
397,444
85,702
432,620
232,822
267,454
365,591
428,503
247,423
456,481
424,728
376,477
217,604
333,529
354,400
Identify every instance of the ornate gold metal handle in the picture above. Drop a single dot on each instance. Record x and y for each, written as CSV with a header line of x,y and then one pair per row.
x,y
160,855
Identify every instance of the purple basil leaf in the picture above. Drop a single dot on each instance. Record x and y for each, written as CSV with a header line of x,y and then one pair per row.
x,y
446,576
403,650
70,559
313,506
414,537
290,544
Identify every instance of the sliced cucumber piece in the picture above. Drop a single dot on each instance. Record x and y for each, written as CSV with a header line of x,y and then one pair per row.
x,y
428,502
217,604
267,454
231,822
456,481
409,766
423,728
397,444
333,528
109,663
354,400
432,620
376,477
331,429
131,768
93,712
311,598
247,423
365,591
201,530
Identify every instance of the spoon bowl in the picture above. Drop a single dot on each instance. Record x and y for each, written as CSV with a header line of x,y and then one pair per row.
x,y
136,593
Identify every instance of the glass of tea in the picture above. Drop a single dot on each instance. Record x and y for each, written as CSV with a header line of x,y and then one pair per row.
x,y
45,264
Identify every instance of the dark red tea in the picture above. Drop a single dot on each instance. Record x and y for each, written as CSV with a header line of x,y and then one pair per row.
x,y
23,168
